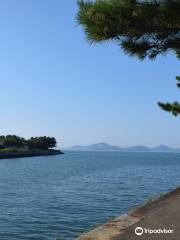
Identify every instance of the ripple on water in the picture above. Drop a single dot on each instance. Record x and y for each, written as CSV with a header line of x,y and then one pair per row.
x,y
48,197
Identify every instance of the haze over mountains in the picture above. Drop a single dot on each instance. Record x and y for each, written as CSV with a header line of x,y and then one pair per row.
x,y
108,147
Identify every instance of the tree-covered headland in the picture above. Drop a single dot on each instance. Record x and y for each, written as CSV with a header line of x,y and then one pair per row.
x,y
142,28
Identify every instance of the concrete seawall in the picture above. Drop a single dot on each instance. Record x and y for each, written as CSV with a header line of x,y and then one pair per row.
x,y
21,154
158,215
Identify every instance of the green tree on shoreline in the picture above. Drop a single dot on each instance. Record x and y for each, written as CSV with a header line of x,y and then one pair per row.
x,y
41,143
34,143
141,28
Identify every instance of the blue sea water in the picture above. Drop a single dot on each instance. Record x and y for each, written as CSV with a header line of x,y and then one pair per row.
x,y
58,197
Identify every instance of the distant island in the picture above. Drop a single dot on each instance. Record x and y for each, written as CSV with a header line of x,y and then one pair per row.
x,y
108,147
12,146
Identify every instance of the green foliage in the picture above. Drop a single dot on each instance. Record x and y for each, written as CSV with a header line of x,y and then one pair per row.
x,y
39,143
13,141
174,107
2,138
42,143
143,28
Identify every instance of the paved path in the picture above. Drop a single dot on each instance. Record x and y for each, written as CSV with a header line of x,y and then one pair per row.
x,y
162,214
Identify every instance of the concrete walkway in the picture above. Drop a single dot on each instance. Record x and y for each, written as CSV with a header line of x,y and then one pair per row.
x,y
158,220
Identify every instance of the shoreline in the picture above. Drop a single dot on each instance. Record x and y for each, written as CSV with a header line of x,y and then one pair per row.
x,y
151,215
22,154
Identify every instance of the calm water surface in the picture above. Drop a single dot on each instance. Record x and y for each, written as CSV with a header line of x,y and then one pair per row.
x,y
58,197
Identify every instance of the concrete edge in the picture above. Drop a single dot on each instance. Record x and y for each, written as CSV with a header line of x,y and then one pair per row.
x,y
117,226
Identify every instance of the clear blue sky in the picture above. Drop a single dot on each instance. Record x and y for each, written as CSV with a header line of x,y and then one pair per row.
x,y
53,82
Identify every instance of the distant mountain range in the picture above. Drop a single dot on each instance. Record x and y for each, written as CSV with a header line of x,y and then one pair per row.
x,y
108,147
